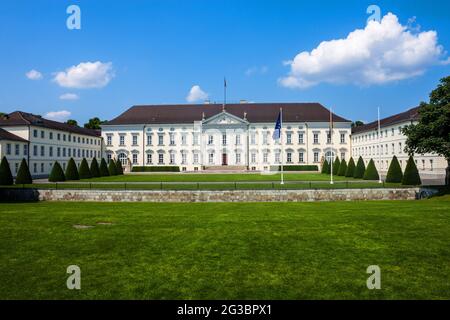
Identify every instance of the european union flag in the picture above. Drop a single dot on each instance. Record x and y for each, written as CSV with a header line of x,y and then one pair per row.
x,y
277,131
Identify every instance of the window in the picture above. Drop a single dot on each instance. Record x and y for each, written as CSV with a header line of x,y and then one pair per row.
x,y
210,139
122,140
300,138
108,157
172,158
316,138
431,164
342,137
58,136
135,140
265,157
50,135
42,168
42,151
25,149
253,138
83,151
172,139
393,149
300,157
265,138
109,140
423,164
277,157
183,139
79,153
83,140
289,138
160,158
35,133
316,157
149,158
253,157
50,151
211,158
58,152
64,152
238,139
195,139
135,158
224,139
238,158
16,167
195,158
342,155
328,137
64,137
42,134
160,139
8,148
17,149
399,147
183,158
289,157
392,133
69,152
35,167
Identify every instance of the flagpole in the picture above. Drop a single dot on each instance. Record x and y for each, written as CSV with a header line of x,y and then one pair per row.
x,y
282,148
224,93
379,147
332,151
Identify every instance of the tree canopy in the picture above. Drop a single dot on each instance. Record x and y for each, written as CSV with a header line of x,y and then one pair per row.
x,y
94,123
431,134
72,122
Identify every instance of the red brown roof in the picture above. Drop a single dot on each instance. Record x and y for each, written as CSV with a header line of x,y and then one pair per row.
x,y
19,118
409,115
255,112
6,135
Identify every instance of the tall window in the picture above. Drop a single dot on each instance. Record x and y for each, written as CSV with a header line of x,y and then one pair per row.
x,y
265,138
149,139
253,157
210,139
300,138
195,139
277,157
160,158
172,158
149,158
183,158
122,140
211,158
195,158
289,157
328,137
399,147
8,148
17,149
265,157
172,139
300,157
25,149
316,157
109,140
238,139
342,155
224,139
35,134
183,139
135,140
316,138
289,138
160,140
108,157
253,138
42,151
135,158
342,137
238,158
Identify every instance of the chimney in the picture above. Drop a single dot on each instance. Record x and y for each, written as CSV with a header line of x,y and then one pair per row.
x,y
243,101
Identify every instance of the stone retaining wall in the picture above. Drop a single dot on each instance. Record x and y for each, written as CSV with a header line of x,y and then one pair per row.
x,y
229,195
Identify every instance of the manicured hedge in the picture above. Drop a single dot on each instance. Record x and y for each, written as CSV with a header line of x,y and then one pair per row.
x,y
336,165
72,170
360,169
24,175
156,169
112,168
6,178
350,168
104,172
342,168
57,173
325,167
85,172
394,173
371,172
119,168
95,170
295,168
411,176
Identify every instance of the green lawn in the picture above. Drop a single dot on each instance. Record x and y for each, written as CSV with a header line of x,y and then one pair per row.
x,y
227,250
210,177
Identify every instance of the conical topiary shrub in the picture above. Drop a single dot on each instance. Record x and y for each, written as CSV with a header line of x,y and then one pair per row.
x,y
394,173
325,167
336,165
119,169
57,173
342,168
72,171
411,176
371,172
24,175
6,178
95,170
103,168
360,169
350,168
112,168
85,172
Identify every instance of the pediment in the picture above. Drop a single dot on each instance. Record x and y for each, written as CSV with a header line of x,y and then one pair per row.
x,y
224,118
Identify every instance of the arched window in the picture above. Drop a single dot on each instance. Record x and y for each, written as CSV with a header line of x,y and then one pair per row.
x,y
123,158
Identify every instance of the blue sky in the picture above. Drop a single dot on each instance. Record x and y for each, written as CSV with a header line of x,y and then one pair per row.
x,y
156,51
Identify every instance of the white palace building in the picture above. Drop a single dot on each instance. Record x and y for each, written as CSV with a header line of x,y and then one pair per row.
x,y
235,136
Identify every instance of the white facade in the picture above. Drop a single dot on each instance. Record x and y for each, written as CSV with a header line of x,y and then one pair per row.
x,y
46,146
224,141
369,145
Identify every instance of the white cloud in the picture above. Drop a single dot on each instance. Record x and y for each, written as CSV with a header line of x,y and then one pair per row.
x,y
256,70
61,115
85,75
381,52
34,75
196,94
69,96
